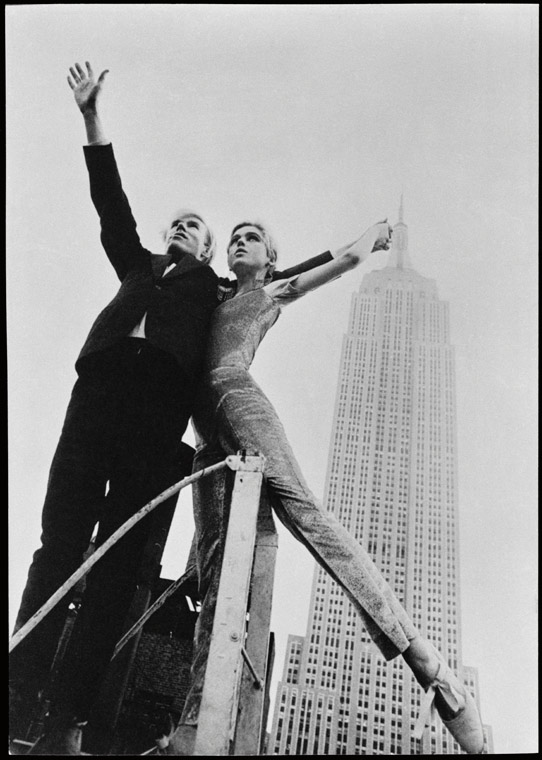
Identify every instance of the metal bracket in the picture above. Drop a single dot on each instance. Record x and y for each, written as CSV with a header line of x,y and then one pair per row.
x,y
258,682
247,461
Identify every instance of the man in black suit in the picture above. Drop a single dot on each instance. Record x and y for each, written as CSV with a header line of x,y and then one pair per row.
x,y
121,443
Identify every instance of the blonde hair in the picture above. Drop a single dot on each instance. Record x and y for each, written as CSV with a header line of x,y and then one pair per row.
x,y
269,242
210,240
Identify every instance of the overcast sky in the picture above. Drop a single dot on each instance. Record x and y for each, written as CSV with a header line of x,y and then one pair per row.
x,y
314,119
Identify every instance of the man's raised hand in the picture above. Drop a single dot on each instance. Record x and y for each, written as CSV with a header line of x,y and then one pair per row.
x,y
85,87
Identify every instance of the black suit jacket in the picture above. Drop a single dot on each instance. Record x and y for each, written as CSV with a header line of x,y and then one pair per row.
x,y
178,306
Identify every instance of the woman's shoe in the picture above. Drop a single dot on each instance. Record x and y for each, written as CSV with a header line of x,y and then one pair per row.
x,y
466,725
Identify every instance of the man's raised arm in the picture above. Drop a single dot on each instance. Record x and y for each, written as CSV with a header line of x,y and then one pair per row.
x,y
86,90
118,227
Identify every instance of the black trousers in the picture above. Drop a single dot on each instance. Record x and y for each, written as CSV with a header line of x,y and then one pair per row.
x,y
121,445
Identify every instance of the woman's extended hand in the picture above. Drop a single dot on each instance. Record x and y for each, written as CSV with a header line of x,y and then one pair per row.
x,y
384,233
375,238
86,88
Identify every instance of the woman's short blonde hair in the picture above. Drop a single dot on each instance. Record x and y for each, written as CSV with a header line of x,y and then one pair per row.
x,y
270,244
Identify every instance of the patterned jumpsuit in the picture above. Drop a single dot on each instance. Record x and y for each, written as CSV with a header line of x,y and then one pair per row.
x,y
233,413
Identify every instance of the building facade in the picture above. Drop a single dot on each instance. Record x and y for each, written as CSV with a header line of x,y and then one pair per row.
x,y
392,481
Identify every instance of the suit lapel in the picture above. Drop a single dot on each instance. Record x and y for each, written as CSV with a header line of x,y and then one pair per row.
x,y
160,264
186,264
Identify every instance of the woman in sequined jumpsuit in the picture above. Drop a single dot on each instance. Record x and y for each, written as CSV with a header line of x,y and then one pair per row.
x,y
235,414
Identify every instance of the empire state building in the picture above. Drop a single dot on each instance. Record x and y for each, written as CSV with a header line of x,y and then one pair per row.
x,y
392,481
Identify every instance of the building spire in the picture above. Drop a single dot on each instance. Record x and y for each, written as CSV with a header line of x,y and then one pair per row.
x,y
399,257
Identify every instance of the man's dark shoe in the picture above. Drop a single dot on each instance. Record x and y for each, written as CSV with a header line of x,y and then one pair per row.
x,y
62,736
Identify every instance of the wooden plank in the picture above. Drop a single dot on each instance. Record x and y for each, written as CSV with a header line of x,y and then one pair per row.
x,y
250,717
220,694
